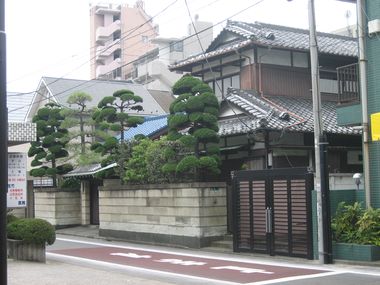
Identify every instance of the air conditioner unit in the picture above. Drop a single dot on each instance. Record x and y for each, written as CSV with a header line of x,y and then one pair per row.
x,y
374,26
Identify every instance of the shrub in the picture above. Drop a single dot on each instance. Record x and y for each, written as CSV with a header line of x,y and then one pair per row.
x,y
353,224
35,231
11,218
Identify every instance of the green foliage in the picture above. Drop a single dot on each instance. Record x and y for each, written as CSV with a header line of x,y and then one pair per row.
x,y
70,183
201,88
185,85
147,162
353,224
113,115
51,141
79,119
209,163
11,218
188,164
34,231
38,172
193,121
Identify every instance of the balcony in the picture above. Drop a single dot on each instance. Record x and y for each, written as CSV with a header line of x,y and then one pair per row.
x,y
348,84
108,9
104,33
102,70
103,52
349,110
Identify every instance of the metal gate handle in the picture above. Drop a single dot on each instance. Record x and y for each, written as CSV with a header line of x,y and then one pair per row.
x,y
268,220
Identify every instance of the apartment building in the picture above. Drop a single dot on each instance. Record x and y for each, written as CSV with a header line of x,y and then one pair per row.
x,y
151,69
119,35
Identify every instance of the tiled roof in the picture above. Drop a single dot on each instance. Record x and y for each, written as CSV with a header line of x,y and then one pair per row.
x,y
88,170
278,113
275,36
62,88
151,126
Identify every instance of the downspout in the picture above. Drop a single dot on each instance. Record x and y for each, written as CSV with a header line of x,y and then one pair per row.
x,y
364,98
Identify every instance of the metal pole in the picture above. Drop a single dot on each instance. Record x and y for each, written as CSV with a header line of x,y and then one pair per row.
x,y
3,149
319,141
364,98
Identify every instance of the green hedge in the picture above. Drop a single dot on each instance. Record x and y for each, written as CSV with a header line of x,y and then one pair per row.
x,y
35,231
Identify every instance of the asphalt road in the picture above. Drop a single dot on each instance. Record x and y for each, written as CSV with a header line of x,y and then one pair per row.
x,y
183,266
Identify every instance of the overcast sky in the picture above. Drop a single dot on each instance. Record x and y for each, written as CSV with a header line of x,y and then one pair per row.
x,y
51,37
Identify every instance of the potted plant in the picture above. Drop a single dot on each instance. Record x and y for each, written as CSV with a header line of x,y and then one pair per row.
x,y
356,232
27,239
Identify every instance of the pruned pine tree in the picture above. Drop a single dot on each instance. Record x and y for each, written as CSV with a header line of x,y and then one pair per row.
x,y
113,115
51,143
193,120
78,118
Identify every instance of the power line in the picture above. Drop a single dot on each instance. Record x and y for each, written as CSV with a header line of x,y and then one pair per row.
x,y
196,34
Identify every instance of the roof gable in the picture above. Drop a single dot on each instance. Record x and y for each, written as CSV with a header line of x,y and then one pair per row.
x,y
275,36
61,88
18,105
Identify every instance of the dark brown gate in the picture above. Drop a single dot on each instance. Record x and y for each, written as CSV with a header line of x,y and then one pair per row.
x,y
94,201
272,211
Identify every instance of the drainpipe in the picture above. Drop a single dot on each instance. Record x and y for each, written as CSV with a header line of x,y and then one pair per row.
x,y
364,97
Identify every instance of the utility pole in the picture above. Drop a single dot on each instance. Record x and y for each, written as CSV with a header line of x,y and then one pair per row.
x,y
3,149
320,146
360,6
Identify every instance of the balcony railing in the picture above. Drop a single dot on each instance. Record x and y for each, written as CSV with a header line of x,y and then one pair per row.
x,y
348,84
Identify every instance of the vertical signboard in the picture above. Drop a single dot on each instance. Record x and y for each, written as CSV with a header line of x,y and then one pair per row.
x,y
375,126
16,195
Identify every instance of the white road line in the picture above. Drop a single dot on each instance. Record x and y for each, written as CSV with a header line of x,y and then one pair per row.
x,y
129,267
293,278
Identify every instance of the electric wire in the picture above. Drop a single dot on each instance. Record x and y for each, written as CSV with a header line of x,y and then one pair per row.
x,y
84,82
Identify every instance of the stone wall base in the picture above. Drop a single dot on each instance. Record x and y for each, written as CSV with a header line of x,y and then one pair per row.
x,y
160,239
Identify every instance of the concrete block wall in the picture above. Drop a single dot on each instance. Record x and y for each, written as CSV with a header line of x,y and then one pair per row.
x,y
59,207
190,215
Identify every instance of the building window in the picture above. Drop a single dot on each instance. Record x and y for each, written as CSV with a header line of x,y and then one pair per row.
x,y
116,35
221,85
116,73
117,54
176,46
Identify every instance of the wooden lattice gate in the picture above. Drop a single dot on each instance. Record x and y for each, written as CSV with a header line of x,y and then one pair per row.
x,y
272,211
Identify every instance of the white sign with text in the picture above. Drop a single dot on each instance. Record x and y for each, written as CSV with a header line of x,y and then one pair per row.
x,y
17,191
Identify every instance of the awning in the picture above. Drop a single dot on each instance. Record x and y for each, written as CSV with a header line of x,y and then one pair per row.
x,y
88,170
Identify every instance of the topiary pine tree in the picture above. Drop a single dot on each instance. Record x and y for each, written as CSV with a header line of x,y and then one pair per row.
x,y
195,110
112,115
79,119
50,144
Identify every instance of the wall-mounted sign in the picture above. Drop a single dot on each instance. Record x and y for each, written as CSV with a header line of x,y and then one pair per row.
x,y
16,194
375,126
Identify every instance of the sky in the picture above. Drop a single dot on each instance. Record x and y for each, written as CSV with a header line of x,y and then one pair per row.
x,y
51,37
